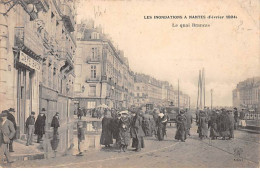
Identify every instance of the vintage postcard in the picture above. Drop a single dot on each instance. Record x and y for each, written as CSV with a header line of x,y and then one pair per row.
x,y
129,84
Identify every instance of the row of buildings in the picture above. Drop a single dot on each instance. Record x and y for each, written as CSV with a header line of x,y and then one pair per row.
x,y
48,61
37,48
247,94
103,76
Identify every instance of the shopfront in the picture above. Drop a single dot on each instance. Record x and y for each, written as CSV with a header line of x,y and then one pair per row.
x,y
27,88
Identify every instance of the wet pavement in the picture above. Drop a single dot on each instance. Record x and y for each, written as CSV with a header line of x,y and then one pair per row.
x,y
242,151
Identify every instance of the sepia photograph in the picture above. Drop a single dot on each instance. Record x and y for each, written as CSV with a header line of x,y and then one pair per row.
x,y
129,84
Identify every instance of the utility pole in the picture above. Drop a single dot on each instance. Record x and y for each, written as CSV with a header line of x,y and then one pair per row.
x,y
211,91
178,98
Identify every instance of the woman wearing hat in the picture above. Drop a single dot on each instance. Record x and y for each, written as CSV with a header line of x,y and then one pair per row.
x,y
106,135
203,125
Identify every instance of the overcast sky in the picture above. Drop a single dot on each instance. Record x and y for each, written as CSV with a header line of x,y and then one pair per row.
x,y
228,49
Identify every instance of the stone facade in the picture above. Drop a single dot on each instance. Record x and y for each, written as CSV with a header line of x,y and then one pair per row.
x,y
37,61
102,72
247,94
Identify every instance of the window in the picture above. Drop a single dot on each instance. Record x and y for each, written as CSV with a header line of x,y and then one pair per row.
x,y
92,91
137,88
137,94
94,53
93,71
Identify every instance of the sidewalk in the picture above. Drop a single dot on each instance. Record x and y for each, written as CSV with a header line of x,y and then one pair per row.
x,y
23,152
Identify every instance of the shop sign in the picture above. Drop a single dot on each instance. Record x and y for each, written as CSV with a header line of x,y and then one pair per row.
x,y
30,62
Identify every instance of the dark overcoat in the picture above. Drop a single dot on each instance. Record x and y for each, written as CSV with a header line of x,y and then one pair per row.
x,y
40,125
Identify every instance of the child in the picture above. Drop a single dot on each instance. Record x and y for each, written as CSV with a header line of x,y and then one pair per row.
x,y
81,137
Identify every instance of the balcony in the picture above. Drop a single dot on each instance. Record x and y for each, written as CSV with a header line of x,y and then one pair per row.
x,y
25,37
68,17
93,60
91,80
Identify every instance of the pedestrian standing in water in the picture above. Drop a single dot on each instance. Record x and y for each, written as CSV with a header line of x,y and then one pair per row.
x,y
55,123
29,124
81,137
40,125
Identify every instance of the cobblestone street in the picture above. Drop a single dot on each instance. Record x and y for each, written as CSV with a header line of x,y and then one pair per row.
x,y
168,153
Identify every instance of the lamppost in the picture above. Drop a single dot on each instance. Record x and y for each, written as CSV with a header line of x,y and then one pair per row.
x,y
211,91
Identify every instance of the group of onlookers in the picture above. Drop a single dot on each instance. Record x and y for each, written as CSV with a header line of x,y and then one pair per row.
x,y
221,123
123,126
8,129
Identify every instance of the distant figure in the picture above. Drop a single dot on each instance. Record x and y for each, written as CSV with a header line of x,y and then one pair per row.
x,y
10,117
106,135
189,121
181,122
81,137
30,123
7,132
213,125
231,124
55,123
80,113
203,125
40,125
224,124
236,118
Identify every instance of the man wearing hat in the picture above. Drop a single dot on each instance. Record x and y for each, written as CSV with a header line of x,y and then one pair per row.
x,y
10,117
30,122
55,123
7,132
236,118
40,125
181,122
231,125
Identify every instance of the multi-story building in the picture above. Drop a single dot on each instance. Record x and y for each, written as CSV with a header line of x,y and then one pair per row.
x,y
102,72
36,64
247,94
149,90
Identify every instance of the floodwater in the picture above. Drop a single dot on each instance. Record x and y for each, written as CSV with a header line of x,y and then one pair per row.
x,y
66,141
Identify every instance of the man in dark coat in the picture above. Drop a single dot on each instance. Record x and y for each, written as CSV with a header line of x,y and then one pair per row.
x,y
223,124
137,132
213,125
231,124
80,113
7,132
55,123
40,125
236,119
203,125
10,117
181,122
30,126
106,134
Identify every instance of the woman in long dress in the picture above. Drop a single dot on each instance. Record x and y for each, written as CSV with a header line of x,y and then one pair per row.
x,y
161,125
181,127
106,135
203,125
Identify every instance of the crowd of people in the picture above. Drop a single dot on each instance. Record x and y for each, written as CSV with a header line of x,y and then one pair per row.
x,y
33,126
